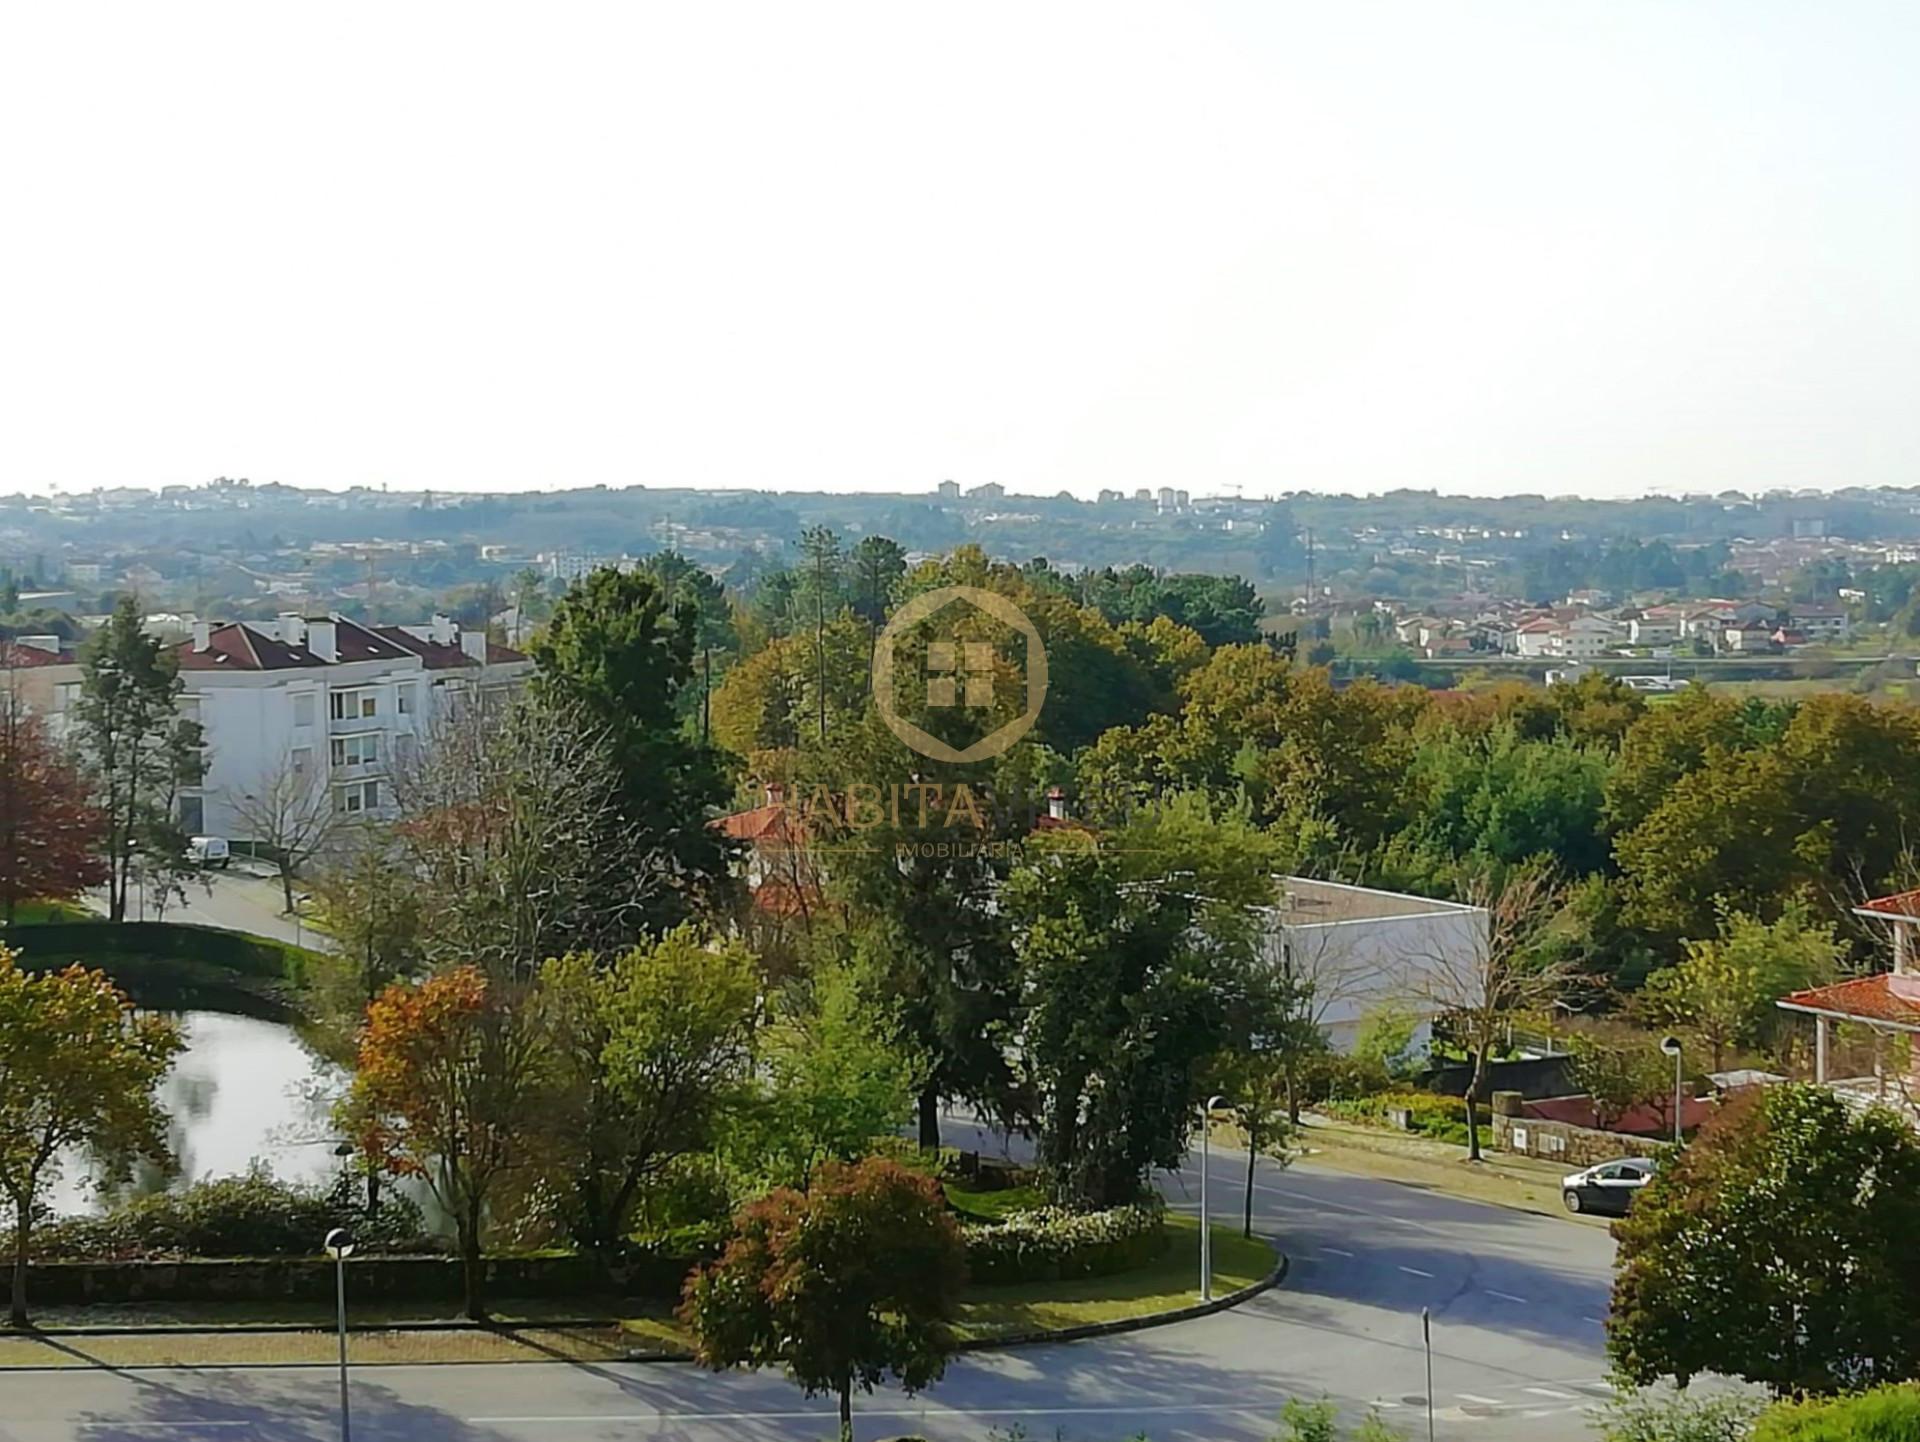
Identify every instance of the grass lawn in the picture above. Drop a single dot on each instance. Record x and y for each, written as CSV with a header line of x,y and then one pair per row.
x,y
992,1206
34,913
525,1330
1170,1281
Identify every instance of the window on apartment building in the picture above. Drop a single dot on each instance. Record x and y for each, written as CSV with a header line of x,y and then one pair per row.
x,y
301,759
353,705
66,696
356,798
403,695
193,815
303,708
356,750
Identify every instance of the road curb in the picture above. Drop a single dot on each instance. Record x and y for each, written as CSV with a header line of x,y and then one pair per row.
x,y
1136,1324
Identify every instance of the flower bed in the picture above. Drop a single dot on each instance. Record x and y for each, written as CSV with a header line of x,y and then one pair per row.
x,y
1051,1244
1428,1114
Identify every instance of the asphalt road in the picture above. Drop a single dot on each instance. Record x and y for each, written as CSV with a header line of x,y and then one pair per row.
x,y
1516,1301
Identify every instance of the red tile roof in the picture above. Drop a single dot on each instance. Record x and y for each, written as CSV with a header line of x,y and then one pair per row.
x,y
433,656
25,657
237,646
1905,903
1884,998
775,824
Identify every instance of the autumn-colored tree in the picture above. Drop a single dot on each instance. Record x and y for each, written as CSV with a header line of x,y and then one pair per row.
x,y
49,828
452,1087
78,1068
856,1278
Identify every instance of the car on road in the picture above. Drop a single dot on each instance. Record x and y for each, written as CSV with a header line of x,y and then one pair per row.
x,y
210,851
1608,1188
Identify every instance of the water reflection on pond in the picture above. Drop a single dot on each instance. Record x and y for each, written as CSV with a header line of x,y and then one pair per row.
x,y
243,1089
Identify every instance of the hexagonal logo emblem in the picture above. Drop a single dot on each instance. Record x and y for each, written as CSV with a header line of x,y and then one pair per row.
x,y
960,673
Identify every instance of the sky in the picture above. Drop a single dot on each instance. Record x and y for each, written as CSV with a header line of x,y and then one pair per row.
x,y
1603,247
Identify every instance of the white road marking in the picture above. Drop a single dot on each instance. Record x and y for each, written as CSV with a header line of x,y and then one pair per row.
x,y
1216,1408
1597,1321
1549,1392
1416,1272
1479,1400
149,1426
1507,1297
1335,1251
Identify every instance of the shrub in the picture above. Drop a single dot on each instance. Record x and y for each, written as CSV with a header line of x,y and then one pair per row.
x,y
1050,1243
1885,1414
255,1215
1442,1118
1678,1417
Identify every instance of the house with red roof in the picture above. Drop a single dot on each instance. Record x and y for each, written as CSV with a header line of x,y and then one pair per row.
x,y
1886,1006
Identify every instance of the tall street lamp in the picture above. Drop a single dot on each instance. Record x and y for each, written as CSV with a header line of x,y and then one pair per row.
x,y
339,1245
1206,1215
1671,1046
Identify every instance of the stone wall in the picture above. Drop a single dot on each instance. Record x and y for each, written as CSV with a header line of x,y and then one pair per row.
x,y
1577,1147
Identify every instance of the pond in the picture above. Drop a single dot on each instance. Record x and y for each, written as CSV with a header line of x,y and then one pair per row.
x,y
243,1089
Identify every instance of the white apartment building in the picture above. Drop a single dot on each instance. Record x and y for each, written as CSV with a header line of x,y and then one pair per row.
x,y
1653,631
324,698
1822,625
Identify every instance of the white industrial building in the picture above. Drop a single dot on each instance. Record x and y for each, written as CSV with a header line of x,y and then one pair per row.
x,y
1359,950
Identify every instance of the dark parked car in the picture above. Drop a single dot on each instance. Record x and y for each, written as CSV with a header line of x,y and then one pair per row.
x,y
1609,1188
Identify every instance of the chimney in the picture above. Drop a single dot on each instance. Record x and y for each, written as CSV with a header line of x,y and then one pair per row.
x,y
203,635
323,638
1056,803
293,628
474,643
441,630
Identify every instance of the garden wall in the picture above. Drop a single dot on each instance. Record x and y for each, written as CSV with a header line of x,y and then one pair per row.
x,y
369,1279
1577,1147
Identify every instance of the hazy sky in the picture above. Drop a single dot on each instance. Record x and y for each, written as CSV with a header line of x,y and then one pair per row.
x,y
1547,245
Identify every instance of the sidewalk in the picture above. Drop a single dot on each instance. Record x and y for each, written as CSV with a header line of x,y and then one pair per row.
x,y
1519,1182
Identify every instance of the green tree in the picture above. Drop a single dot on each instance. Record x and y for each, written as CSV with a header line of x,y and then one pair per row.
x,y
651,1046
78,1069
1621,1068
1679,1417
853,1280
835,1075
137,748
615,653
374,913
1778,1248
877,564
1724,990
49,828
1134,955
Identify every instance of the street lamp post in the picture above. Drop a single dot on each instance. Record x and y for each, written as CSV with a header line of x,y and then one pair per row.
x,y
1671,1046
1206,1215
339,1245
1426,1338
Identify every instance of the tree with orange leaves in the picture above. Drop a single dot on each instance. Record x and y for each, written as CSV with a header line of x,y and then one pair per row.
x,y
857,1277
452,1087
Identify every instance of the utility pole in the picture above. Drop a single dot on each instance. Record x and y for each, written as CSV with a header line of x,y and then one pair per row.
x,y
1307,536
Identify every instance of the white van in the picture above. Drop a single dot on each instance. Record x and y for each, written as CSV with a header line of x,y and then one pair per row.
x,y
210,851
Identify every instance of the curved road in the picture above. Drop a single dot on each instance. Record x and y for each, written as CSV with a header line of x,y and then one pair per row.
x,y
1516,1301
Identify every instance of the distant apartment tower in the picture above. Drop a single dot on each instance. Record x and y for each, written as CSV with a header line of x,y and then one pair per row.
x,y
991,491
949,490
1144,496
1107,498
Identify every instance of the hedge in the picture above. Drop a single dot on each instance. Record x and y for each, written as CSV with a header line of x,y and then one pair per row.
x,y
1442,1118
1050,1244
173,964
1885,1414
